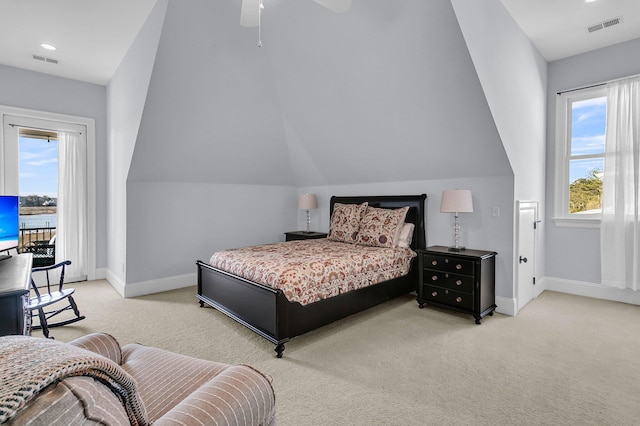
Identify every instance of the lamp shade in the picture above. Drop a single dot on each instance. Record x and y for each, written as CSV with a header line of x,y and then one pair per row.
x,y
456,201
307,202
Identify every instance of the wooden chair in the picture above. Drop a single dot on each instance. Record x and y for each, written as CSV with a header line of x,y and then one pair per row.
x,y
54,294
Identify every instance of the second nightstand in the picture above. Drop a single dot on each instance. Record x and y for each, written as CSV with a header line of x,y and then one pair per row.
x,y
462,280
303,235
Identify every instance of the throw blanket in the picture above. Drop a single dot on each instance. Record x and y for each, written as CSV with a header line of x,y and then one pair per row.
x,y
29,364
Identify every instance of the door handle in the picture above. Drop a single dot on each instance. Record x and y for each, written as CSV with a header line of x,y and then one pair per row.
x,y
523,259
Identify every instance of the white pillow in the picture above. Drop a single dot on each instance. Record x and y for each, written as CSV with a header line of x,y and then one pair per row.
x,y
406,235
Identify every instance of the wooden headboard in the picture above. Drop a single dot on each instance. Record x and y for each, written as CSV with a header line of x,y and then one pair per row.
x,y
415,214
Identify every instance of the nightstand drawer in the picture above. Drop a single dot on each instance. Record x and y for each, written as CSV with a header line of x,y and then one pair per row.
x,y
449,297
448,264
303,235
452,281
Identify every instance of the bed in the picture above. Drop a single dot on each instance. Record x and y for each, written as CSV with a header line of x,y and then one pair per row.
x,y
269,313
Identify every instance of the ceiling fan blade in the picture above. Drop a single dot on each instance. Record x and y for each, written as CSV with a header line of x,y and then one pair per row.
x,y
338,6
249,13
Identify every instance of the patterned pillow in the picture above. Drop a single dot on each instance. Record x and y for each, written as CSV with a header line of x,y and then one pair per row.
x,y
379,227
345,222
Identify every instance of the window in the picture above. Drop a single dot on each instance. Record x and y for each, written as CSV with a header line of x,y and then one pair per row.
x,y
580,140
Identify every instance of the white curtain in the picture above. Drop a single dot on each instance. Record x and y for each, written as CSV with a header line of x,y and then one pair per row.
x,y
620,226
71,235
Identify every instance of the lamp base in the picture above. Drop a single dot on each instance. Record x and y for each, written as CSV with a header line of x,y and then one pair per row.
x,y
459,248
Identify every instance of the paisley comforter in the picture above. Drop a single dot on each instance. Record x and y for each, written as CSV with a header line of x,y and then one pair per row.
x,y
311,270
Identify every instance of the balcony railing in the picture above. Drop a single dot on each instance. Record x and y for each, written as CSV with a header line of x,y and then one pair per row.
x,y
39,242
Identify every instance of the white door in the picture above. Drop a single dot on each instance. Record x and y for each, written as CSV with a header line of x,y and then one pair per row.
x,y
526,254
12,120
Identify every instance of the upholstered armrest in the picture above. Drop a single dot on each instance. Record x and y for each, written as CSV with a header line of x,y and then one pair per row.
x,y
74,400
239,395
101,344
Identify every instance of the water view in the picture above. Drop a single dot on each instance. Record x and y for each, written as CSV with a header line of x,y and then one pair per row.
x,y
38,221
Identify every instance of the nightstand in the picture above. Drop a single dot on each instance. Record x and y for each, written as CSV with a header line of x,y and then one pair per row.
x,y
304,235
463,280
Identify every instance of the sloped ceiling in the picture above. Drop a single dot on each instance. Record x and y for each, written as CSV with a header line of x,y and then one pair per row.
x,y
386,92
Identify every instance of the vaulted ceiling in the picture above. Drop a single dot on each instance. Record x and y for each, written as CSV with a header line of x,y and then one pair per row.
x,y
93,37
385,93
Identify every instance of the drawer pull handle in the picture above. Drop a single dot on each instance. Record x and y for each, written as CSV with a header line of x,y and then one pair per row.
x,y
434,278
434,262
434,294
458,299
458,282
458,266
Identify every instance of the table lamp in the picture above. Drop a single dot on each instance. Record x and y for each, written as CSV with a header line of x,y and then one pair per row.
x,y
456,201
308,202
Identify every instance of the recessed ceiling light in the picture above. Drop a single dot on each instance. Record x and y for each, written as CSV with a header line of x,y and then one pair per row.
x,y
589,1
47,46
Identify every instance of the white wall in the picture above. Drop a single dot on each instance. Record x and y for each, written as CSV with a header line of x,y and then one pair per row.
x,y
126,96
43,92
513,75
573,254
384,94
171,225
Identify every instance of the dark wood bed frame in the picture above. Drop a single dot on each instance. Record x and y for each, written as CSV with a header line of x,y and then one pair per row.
x,y
268,312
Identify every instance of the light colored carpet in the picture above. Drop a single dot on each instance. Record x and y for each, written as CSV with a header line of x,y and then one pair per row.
x,y
564,360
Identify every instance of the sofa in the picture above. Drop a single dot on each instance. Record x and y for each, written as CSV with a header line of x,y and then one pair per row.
x,y
92,380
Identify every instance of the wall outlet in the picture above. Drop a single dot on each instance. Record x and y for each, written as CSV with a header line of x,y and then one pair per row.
x,y
495,211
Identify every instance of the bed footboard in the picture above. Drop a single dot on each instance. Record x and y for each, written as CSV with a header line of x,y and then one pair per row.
x,y
259,308
268,313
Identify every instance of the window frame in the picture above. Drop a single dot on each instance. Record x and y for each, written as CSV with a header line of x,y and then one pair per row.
x,y
562,217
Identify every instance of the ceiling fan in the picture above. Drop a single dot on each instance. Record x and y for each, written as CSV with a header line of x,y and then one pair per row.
x,y
251,11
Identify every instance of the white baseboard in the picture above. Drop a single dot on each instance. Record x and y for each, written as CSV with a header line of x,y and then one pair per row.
x,y
161,284
506,306
597,291
152,286
539,287
115,282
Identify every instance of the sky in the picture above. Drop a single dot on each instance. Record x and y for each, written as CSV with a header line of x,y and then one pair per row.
x,y
38,167
588,121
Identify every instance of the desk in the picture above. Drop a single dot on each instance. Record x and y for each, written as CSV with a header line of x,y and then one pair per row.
x,y
15,278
